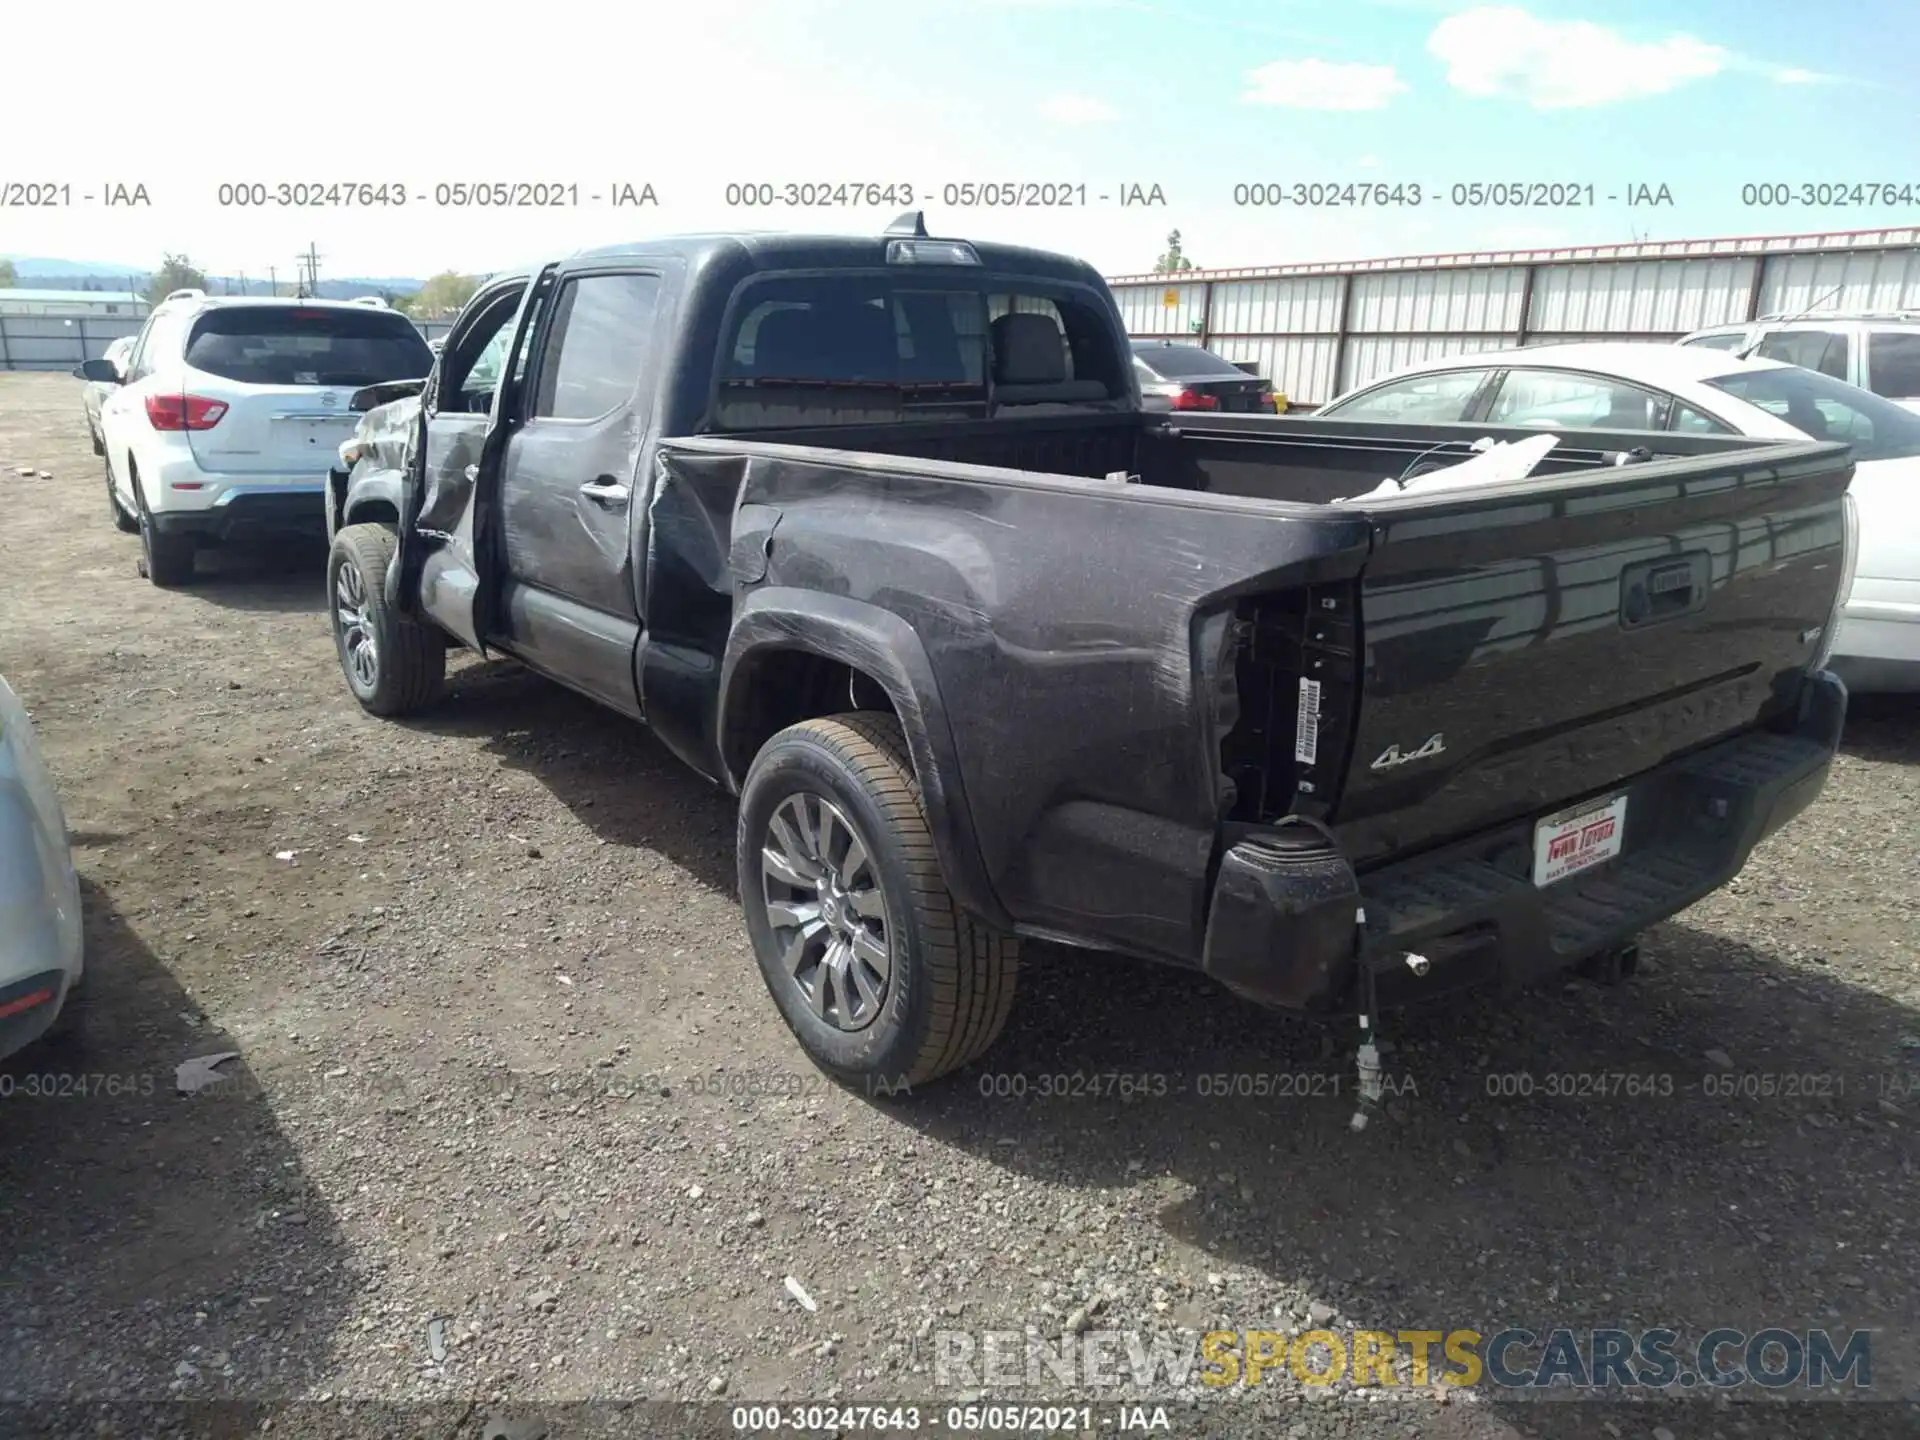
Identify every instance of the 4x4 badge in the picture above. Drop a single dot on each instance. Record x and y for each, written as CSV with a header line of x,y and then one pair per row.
x,y
1392,755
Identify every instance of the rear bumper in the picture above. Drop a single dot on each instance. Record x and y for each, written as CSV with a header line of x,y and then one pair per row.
x,y
242,511
1282,929
29,1007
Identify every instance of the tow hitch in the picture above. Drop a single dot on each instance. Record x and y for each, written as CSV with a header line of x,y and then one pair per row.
x,y
1610,967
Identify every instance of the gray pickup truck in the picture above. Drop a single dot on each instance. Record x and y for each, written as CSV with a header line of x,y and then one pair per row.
x,y
874,533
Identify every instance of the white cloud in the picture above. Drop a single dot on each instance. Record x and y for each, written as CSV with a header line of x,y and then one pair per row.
x,y
1077,110
1323,85
1502,50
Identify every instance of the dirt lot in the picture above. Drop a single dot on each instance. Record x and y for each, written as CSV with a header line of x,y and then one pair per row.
x,y
506,1065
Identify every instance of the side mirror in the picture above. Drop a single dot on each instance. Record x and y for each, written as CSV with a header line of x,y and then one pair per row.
x,y
105,371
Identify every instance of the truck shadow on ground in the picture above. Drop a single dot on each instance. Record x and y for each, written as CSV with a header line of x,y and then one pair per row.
x,y
1483,1198
182,1226
609,771
1658,1187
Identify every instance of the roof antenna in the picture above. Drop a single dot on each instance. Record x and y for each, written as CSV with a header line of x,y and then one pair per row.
x,y
913,223
1754,344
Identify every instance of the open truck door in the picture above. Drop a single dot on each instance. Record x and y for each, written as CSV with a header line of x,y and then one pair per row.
x,y
467,414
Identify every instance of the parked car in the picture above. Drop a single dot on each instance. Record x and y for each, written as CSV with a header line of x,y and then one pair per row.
x,y
41,951
230,411
1701,390
97,390
1152,693
1186,377
1876,350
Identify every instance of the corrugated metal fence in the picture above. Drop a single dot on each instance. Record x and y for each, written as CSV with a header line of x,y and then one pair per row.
x,y
1315,330
60,342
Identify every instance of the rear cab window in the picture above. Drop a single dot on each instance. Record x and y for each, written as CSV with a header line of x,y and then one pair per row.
x,y
863,347
293,345
1187,362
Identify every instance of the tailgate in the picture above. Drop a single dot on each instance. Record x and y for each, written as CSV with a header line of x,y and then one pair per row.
x,y
292,430
1530,644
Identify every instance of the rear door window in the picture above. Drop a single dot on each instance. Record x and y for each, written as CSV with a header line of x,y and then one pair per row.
x,y
1559,400
1719,342
1431,399
289,345
1893,364
602,327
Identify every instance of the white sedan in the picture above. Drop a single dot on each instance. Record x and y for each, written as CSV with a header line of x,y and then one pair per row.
x,y
1628,386
41,953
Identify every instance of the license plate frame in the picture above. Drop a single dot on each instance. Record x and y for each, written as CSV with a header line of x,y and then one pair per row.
x,y
1573,841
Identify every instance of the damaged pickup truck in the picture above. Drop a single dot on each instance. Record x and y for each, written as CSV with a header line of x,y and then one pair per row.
x,y
874,533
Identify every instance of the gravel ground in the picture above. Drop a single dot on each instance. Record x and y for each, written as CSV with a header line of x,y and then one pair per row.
x,y
513,1123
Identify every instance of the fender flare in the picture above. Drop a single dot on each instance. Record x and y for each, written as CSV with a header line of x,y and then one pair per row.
x,y
880,644
381,485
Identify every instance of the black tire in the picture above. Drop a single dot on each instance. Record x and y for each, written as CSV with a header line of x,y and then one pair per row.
x,y
167,559
951,979
93,434
124,520
404,669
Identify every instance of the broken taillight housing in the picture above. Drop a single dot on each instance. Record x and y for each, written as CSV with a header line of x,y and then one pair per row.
x,y
184,412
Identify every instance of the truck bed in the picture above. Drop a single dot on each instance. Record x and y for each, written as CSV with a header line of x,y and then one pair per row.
x,y
1135,662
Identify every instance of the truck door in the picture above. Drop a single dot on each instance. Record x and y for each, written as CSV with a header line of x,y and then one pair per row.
x,y
443,533
569,487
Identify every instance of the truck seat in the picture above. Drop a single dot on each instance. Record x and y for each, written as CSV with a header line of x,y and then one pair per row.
x,y
1030,363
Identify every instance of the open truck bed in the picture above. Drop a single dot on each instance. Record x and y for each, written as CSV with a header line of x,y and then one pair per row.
x,y
1130,677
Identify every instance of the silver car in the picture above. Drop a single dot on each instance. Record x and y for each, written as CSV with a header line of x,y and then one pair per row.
x,y
96,391
40,930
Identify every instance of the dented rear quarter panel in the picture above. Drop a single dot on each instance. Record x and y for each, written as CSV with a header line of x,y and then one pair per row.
x,y
1039,629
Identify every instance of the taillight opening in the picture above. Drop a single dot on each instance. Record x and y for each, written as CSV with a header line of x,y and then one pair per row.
x,y
184,412
1194,400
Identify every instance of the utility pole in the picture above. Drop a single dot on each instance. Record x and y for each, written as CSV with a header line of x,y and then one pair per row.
x,y
273,282
310,266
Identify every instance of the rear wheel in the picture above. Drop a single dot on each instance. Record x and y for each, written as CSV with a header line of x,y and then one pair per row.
x,y
167,560
882,978
394,665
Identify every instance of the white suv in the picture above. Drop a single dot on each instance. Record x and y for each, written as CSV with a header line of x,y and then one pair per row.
x,y
230,411
1876,350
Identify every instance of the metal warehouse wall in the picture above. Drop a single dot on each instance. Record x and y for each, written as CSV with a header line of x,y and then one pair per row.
x,y
1315,330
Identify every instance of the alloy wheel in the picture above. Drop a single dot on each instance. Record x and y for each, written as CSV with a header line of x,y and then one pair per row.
x,y
358,647
826,910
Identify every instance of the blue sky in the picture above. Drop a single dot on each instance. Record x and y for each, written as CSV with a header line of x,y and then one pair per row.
x,y
1194,98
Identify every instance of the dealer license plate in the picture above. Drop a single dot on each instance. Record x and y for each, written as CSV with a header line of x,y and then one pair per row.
x,y
1578,839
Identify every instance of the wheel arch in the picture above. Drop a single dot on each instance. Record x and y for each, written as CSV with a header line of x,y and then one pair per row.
x,y
796,655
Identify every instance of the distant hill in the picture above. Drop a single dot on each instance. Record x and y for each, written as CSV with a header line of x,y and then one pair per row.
x,y
40,273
